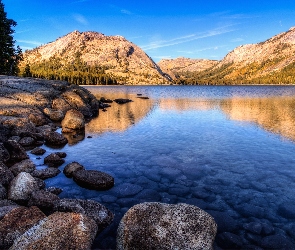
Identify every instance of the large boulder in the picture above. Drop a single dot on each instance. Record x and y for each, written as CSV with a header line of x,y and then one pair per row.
x,y
71,168
59,231
53,114
6,176
24,166
54,138
16,222
43,200
74,120
93,179
22,186
166,226
99,213
16,151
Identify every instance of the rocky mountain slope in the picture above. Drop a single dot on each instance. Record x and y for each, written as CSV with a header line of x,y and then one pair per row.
x,y
271,61
179,65
111,57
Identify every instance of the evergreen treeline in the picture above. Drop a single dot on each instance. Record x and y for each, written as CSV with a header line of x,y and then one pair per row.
x,y
76,72
9,55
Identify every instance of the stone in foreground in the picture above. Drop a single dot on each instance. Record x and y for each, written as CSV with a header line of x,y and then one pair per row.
x,y
93,179
59,231
164,226
74,120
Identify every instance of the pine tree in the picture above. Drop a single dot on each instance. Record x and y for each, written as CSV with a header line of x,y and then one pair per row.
x,y
9,55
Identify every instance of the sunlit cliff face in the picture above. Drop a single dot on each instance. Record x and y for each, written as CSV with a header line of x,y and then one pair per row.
x,y
276,115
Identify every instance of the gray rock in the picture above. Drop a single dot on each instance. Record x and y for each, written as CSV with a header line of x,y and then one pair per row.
x,y
93,179
225,223
59,231
99,213
71,168
21,187
38,151
164,226
74,120
45,173
126,189
16,222
6,176
24,166
53,160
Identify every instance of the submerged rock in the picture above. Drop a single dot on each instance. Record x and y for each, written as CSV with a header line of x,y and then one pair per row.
x,y
55,138
165,226
59,231
71,168
93,179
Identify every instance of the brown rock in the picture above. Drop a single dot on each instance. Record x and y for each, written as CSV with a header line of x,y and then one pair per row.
x,y
61,104
38,151
93,179
74,120
55,138
16,222
165,226
71,168
54,115
16,151
59,231
43,199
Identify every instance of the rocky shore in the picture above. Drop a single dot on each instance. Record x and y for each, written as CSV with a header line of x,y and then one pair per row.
x,y
32,214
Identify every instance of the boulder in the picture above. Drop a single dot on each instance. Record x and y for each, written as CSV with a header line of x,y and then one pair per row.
x,y
21,187
6,176
38,151
74,120
61,154
93,179
4,154
71,168
16,151
43,199
59,231
4,133
53,160
18,125
94,210
26,141
165,226
6,209
16,222
45,173
54,138
53,114
24,166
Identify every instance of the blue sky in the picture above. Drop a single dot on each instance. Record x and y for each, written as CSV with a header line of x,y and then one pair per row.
x,y
163,29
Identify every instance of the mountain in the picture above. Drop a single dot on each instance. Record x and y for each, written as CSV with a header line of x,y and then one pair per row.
x,y
93,58
271,61
180,65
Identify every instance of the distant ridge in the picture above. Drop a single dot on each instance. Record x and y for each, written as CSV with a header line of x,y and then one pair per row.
x,y
271,61
117,59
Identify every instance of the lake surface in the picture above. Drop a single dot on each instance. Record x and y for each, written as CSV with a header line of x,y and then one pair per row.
x,y
228,149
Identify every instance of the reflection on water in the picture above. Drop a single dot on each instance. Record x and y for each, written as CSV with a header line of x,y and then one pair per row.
x,y
201,145
274,114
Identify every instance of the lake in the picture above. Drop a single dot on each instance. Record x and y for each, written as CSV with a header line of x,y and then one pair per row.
x,y
227,149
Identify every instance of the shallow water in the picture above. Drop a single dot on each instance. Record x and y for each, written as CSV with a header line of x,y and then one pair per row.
x,y
227,149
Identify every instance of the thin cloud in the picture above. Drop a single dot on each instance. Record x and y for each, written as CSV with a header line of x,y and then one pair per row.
x,y
127,12
185,39
236,40
30,42
80,1
199,50
80,19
